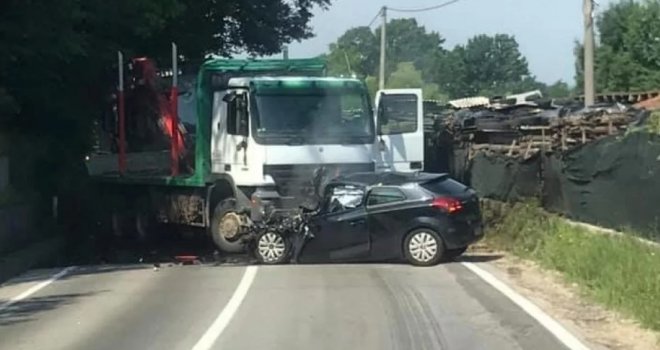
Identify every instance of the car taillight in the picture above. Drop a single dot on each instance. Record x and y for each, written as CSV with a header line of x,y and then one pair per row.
x,y
447,204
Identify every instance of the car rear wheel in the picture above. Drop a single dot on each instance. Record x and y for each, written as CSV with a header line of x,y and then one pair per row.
x,y
272,248
423,247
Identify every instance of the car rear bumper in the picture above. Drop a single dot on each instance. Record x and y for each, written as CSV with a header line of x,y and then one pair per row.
x,y
463,235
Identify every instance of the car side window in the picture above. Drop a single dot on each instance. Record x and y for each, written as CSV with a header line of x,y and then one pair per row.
x,y
385,195
343,197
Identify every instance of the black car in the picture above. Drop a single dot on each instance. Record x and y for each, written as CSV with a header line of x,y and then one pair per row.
x,y
421,217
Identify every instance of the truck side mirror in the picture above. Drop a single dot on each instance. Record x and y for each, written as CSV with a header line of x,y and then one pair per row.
x,y
242,118
381,116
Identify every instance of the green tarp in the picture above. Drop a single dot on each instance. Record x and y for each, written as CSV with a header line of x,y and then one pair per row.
x,y
613,182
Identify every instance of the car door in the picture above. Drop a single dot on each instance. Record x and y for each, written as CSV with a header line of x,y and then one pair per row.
x,y
400,125
387,220
340,231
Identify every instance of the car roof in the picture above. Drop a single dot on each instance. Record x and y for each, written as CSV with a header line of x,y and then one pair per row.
x,y
368,179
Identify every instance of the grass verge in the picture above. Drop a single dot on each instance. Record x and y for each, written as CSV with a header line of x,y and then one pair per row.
x,y
619,272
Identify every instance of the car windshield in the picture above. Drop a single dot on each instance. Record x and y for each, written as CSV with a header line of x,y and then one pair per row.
x,y
312,115
343,197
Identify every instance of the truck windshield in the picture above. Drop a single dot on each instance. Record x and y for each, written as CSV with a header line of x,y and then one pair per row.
x,y
312,116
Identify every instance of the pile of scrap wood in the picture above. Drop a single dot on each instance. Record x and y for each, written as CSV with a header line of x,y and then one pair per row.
x,y
522,130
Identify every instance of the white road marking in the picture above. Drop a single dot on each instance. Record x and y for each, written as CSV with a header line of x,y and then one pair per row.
x,y
36,288
563,335
220,323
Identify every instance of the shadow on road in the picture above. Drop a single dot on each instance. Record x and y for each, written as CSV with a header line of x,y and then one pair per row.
x,y
26,310
43,275
478,258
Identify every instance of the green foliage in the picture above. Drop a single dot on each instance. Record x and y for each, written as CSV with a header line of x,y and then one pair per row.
x,y
628,57
358,49
653,124
558,90
58,60
407,41
620,272
407,76
491,65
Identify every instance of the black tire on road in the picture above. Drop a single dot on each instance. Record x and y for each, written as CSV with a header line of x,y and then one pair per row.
x,y
223,208
452,254
423,247
272,248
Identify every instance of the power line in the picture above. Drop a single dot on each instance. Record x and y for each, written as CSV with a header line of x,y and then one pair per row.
x,y
375,17
425,8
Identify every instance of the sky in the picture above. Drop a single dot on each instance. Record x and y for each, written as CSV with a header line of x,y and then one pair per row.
x,y
545,29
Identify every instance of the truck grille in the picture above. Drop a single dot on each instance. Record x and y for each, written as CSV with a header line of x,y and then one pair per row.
x,y
294,180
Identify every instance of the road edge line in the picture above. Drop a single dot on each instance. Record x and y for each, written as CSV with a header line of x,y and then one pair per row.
x,y
222,321
36,288
561,333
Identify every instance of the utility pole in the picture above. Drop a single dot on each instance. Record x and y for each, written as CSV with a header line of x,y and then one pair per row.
x,y
381,77
589,89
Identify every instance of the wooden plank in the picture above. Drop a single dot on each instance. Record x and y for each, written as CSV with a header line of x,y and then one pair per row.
x,y
529,147
535,127
513,144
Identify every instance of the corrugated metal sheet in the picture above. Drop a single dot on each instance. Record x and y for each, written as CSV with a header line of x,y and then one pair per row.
x,y
470,102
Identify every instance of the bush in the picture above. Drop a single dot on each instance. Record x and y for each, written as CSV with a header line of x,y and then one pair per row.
x,y
618,271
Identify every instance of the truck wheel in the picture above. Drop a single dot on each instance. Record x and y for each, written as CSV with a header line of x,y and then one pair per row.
x,y
272,248
225,226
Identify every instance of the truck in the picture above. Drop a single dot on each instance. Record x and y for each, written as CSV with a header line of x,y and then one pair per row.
x,y
232,136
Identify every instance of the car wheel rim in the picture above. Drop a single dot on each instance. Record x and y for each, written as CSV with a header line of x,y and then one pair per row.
x,y
423,247
271,247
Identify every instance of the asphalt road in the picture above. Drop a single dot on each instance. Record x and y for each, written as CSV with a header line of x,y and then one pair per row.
x,y
284,307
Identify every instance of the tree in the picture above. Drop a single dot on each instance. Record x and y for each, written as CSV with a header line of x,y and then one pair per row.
x,y
407,41
407,76
628,55
488,65
491,65
558,90
356,49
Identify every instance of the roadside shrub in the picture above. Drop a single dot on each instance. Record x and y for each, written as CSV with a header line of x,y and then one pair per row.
x,y
617,271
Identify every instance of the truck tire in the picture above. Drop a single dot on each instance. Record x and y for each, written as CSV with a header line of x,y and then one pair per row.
x,y
224,215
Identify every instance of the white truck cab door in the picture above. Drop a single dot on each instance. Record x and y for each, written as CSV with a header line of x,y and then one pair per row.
x,y
400,126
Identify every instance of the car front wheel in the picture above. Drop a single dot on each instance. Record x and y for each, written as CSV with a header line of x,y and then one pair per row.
x,y
272,248
423,247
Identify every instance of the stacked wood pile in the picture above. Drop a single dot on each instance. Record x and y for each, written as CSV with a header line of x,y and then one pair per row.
x,y
522,136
